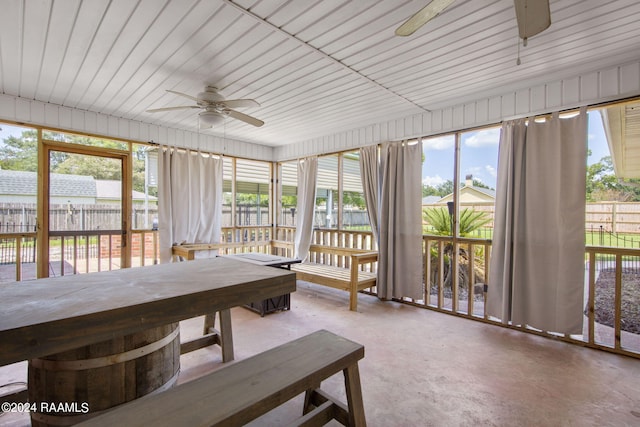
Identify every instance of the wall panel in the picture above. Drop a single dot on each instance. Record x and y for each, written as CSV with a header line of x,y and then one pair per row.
x,y
15,109
607,84
596,86
23,110
523,101
630,78
589,88
571,91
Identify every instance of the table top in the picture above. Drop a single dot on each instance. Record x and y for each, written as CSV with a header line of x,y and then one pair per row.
x,y
47,316
264,259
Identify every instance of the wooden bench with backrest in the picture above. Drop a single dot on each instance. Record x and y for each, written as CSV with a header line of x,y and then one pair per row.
x,y
245,390
345,273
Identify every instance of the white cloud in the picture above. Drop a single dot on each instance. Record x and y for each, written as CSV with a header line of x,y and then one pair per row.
x,y
475,170
483,138
439,143
433,181
491,171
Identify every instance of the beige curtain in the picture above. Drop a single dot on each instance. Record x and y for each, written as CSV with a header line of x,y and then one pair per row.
x,y
189,199
307,178
400,216
537,260
369,176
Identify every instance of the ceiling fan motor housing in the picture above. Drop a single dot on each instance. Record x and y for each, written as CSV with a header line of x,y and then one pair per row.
x,y
209,96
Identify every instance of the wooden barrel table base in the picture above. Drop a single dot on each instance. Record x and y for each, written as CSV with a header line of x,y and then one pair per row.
x,y
69,387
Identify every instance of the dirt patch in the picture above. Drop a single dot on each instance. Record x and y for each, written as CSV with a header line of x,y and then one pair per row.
x,y
605,299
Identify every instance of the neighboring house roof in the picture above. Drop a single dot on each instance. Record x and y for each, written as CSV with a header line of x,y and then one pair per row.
x,y
483,193
621,123
111,190
487,191
25,183
429,200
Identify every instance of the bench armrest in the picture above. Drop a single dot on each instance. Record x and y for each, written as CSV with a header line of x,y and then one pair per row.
x,y
357,260
364,258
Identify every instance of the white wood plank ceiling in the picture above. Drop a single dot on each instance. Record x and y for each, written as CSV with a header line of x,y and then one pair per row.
x,y
316,66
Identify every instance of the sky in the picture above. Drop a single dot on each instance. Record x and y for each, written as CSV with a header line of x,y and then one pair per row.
x,y
479,153
6,131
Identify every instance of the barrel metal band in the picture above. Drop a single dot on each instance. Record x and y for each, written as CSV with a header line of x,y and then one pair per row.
x,y
99,362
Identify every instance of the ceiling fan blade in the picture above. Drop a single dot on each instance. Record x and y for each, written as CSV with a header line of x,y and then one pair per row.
x,y
184,107
240,103
423,16
533,17
245,118
193,98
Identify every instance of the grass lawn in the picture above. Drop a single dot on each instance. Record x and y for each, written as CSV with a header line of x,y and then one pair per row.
x,y
618,241
630,241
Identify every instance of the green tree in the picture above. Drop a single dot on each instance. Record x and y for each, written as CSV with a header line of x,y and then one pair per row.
x,y
603,185
21,153
440,220
470,221
289,201
353,198
446,188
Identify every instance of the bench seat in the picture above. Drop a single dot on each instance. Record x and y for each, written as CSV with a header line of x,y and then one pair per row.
x,y
245,390
351,279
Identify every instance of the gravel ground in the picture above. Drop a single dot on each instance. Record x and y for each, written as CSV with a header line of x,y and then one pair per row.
x,y
605,298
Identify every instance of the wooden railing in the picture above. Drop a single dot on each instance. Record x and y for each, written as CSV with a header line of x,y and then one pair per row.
x,y
613,298
462,294
241,239
74,252
16,249
612,291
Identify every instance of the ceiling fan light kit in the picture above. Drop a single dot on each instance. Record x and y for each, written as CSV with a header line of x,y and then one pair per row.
x,y
210,118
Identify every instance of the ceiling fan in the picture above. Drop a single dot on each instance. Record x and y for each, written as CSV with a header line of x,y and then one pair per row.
x,y
533,17
215,108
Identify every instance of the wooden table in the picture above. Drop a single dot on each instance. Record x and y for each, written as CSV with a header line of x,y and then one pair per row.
x,y
52,315
45,320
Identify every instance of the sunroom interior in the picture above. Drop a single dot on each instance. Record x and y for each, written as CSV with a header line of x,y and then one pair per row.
x,y
328,92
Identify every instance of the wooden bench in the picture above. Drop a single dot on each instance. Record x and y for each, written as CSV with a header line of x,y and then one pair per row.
x,y
349,277
245,390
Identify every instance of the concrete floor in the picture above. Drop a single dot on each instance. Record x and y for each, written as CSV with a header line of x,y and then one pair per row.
x,y
423,368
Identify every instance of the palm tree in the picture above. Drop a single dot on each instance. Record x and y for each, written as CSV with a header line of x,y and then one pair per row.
x,y
440,221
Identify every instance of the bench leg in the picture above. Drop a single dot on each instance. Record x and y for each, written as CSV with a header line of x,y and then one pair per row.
x,y
308,400
353,297
354,396
226,334
209,323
